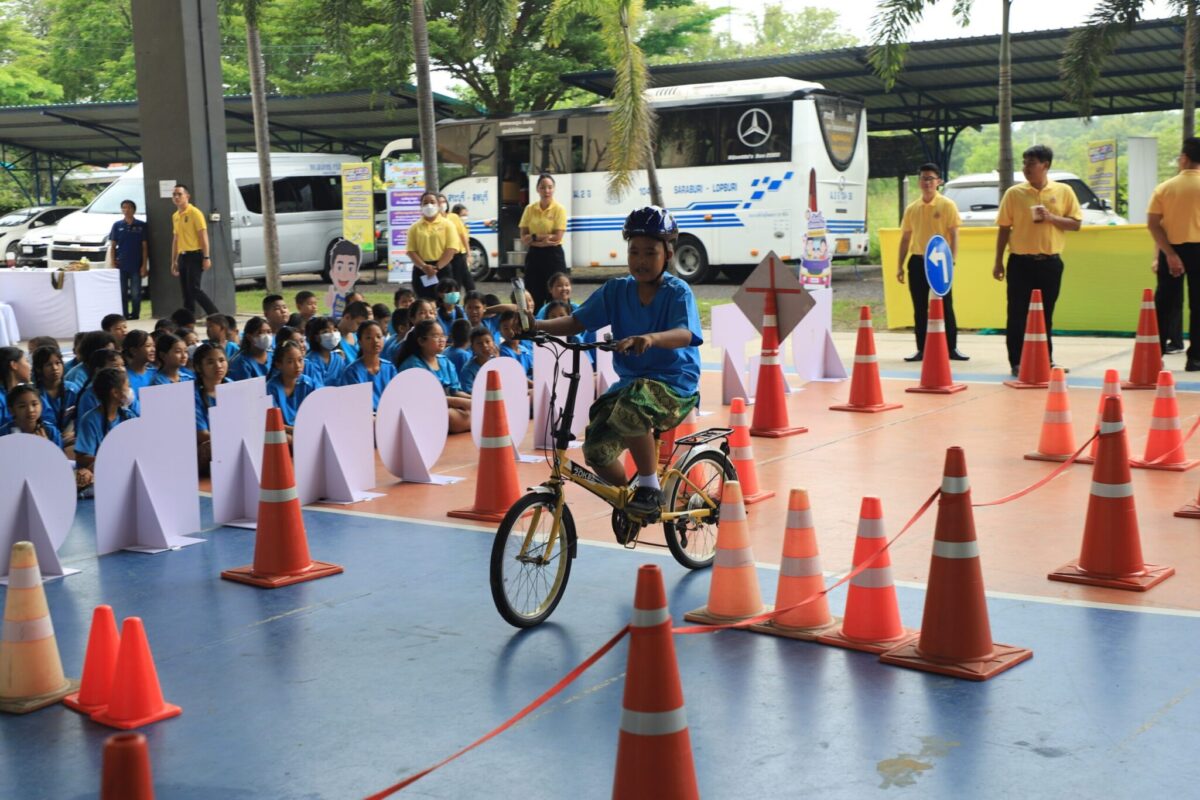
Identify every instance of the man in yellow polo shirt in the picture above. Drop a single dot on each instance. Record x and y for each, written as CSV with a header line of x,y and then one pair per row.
x,y
189,249
932,215
1033,219
1173,219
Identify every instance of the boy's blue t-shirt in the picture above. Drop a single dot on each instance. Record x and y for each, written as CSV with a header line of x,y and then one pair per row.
x,y
350,351
55,410
616,303
446,320
288,406
523,353
93,427
446,373
391,347
230,348
48,427
466,376
459,356
243,367
357,373
76,375
323,374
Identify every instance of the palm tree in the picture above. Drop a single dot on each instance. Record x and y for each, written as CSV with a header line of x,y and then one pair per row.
x,y
889,30
632,120
1089,46
262,142
425,117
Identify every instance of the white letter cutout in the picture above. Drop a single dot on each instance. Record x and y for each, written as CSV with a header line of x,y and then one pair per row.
x,y
335,458
238,425
514,386
543,374
411,427
38,487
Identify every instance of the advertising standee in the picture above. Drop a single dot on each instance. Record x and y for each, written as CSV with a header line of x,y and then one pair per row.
x,y
404,182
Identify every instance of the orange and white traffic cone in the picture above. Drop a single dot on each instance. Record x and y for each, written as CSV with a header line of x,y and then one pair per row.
x,y
936,377
1147,348
956,636
1111,388
1057,442
126,771
733,593
800,578
1164,445
31,671
866,392
872,621
99,663
770,404
741,453
654,749
281,555
1035,352
136,698
496,483
1112,547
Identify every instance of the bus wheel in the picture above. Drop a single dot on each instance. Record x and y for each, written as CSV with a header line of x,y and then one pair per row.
x,y
691,262
479,261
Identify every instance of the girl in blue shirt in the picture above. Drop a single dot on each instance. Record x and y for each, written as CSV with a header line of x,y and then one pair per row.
x,y
325,360
289,385
254,359
58,399
116,398
25,405
370,368
172,357
448,309
512,347
211,370
458,349
423,350
14,369
101,359
138,350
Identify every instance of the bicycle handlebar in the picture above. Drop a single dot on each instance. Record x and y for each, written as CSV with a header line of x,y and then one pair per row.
x,y
538,337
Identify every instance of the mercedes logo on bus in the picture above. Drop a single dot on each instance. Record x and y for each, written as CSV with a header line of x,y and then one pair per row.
x,y
754,127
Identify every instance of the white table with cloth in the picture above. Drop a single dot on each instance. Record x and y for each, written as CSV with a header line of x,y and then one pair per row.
x,y
41,310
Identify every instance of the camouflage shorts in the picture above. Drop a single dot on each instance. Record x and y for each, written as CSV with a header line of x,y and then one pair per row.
x,y
633,410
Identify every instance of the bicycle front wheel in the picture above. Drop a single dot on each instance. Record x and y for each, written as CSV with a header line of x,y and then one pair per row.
x,y
531,560
693,540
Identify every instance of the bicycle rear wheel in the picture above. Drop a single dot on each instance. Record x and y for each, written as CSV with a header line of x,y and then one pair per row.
x,y
528,575
693,541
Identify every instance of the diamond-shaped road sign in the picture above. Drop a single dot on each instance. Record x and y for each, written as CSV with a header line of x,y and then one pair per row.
x,y
792,301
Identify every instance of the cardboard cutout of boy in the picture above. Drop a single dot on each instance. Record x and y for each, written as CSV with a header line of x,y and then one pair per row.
x,y
345,258
815,261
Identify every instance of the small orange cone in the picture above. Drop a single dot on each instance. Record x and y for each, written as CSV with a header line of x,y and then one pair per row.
x,y
99,663
770,403
800,577
1057,442
654,749
866,393
1189,510
741,453
126,771
1147,349
1035,352
956,636
496,484
733,593
936,377
1111,388
281,555
1166,436
136,698
872,621
31,671
1112,547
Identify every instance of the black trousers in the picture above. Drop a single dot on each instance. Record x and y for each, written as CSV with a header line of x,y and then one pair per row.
x,y
461,272
131,293
1168,299
421,290
191,267
1024,274
918,289
540,264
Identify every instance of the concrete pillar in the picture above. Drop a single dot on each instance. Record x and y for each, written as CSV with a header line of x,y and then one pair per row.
x,y
1142,169
177,53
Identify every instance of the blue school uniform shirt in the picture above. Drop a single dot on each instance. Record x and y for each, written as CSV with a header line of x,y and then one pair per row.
x,y
137,382
57,411
323,374
48,427
87,400
391,347
356,372
350,351
446,320
128,238
231,349
459,356
674,306
493,325
243,367
203,404
587,337
290,405
523,353
160,379
466,376
93,427
76,375
446,374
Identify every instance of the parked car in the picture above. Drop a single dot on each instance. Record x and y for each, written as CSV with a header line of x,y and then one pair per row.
x,y
15,224
34,246
978,198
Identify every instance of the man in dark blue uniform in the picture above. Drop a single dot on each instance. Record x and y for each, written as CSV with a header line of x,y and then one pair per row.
x,y
127,251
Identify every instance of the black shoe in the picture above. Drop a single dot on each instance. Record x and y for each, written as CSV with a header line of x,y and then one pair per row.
x,y
1192,366
958,355
1172,349
645,502
1016,370
917,356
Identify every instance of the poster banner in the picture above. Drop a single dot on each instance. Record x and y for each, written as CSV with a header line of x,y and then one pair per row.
x,y
1102,170
358,205
404,181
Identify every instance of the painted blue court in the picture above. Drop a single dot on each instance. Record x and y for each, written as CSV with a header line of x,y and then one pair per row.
x,y
339,687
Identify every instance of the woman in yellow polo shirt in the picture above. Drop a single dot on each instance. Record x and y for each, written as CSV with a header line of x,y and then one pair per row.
x,y
542,228
431,247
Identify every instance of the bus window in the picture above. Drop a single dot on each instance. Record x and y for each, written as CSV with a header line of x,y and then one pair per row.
x,y
482,148
757,133
595,155
840,118
453,153
686,139
577,160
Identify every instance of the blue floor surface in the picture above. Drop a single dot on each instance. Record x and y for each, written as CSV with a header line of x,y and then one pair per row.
x,y
339,687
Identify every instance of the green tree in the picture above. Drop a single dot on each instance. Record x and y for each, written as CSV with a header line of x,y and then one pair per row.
x,y
776,31
23,57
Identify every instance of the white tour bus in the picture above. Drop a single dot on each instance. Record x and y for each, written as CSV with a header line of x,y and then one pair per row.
x,y
308,208
739,163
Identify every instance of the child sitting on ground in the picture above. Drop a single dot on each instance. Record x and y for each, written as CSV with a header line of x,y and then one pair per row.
x,y
511,346
458,349
483,350
115,406
422,349
217,329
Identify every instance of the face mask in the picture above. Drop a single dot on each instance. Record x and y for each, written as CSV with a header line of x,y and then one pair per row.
x,y
127,398
263,341
330,339
192,351
429,210
453,297
444,208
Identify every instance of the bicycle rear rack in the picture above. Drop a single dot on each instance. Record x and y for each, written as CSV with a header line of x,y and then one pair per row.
x,y
704,436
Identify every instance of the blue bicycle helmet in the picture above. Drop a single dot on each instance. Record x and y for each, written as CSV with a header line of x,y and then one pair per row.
x,y
651,221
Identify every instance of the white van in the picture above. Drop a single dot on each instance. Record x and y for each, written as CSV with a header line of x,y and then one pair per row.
x,y
308,209
978,198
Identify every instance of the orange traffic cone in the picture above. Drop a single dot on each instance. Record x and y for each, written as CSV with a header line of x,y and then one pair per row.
x,y
733,593
1112,547
770,405
136,698
741,453
1166,437
1111,388
956,636
1057,442
654,750
496,484
1035,352
799,578
99,663
31,671
126,771
1147,349
866,393
1189,510
936,377
872,621
281,555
